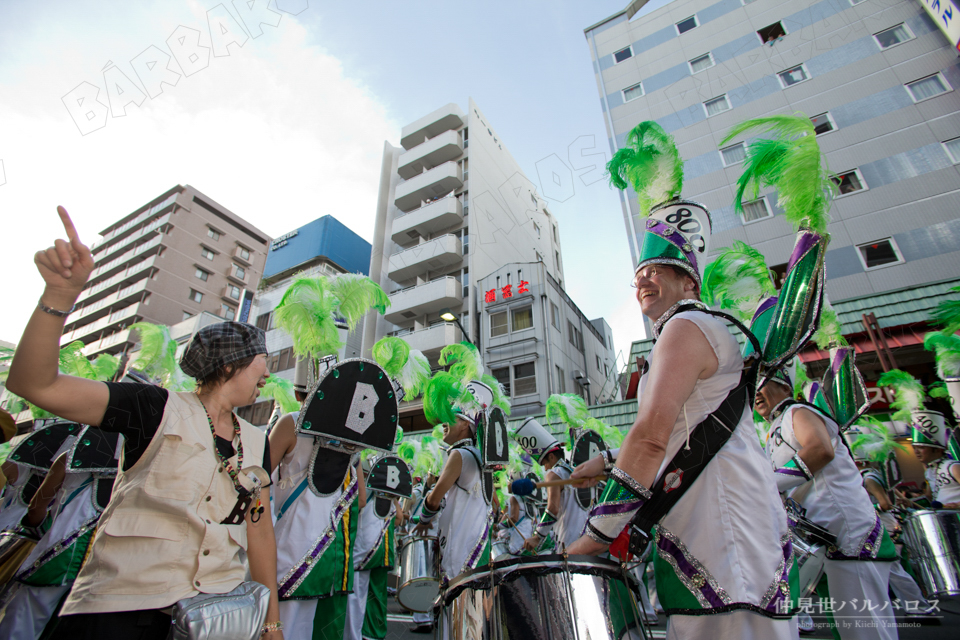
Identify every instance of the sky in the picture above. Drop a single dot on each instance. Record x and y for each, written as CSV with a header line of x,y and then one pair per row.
x,y
282,117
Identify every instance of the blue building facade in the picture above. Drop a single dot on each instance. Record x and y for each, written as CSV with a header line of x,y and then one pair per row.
x,y
324,237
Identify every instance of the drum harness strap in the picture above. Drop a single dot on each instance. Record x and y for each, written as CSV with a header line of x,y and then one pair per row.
x,y
705,441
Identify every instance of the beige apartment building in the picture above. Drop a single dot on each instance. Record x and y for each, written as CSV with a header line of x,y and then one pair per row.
x,y
177,256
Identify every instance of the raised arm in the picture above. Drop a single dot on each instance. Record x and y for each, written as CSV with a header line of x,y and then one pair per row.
x,y
34,372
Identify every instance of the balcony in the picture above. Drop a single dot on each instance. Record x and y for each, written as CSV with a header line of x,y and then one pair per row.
x,y
432,339
435,151
106,342
433,255
98,246
445,213
102,307
125,243
435,182
88,330
242,255
100,289
431,125
114,266
431,297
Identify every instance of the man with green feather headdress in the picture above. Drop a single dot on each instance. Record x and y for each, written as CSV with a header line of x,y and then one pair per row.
x,y
723,547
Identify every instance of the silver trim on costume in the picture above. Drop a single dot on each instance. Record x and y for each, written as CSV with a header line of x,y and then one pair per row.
x,y
780,582
693,587
626,480
669,313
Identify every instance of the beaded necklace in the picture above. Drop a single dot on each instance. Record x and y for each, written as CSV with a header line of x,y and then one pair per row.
x,y
224,461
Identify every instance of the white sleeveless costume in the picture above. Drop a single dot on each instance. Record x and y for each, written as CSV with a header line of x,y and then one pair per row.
x,y
726,540
465,521
836,500
571,518
943,486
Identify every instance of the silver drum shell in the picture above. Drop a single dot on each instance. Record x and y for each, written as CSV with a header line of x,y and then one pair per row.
x,y
933,538
419,582
542,598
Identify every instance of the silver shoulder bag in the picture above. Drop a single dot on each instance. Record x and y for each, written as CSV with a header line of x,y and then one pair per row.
x,y
236,615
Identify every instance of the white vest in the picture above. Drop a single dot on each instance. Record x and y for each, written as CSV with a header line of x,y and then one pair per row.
x,y
943,487
466,518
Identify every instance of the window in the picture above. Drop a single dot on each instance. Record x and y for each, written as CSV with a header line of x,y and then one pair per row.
x,y
556,238
264,321
755,210
716,105
733,154
561,380
574,336
203,275
746,2
187,315
503,377
771,33
465,281
793,76
849,182
893,36
281,360
195,295
623,54
536,228
823,123
522,319
703,62
206,253
633,92
879,253
687,23
599,364
927,87
525,379
498,324
856,2
226,312
465,241
244,253
233,291
213,233
558,260
239,272
555,312
953,149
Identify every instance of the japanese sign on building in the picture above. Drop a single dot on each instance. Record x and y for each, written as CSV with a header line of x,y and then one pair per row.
x,y
505,292
946,14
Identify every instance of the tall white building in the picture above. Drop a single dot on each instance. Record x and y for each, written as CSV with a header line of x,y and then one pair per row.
x,y
454,207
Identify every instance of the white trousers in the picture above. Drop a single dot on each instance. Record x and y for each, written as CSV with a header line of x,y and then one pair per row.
x,y
357,606
856,588
735,625
297,618
905,587
29,610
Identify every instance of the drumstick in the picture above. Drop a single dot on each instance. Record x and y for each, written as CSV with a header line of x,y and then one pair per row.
x,y
526,486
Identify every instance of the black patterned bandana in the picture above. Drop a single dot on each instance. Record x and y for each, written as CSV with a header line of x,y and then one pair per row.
x,y
220,344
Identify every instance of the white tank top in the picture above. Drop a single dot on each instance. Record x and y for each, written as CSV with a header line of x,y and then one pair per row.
x,y
571,519
466,517
943,487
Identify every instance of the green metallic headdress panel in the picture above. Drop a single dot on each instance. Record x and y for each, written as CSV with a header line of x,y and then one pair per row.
x,y
844,390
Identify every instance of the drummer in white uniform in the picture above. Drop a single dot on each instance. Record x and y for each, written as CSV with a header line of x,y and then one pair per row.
x,y
942,472
563,517
813,466
724,549
465,516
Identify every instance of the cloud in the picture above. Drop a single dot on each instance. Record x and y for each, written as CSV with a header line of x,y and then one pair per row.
x,y
276,132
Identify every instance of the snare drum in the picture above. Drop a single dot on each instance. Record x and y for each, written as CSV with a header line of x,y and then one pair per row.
x,y
499,549
542,598
419,573
810,560
933,538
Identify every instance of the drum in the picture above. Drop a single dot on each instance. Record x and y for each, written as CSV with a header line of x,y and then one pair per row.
x,y
419,573
542,598
499,549
933,538
810,558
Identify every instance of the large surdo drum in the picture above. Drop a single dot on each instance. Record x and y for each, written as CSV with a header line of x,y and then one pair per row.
x,y
933,538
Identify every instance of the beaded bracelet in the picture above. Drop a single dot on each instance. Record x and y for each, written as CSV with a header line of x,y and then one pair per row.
x,y
271,626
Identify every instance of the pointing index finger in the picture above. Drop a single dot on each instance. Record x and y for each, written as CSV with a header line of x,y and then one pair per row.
x,y
68,225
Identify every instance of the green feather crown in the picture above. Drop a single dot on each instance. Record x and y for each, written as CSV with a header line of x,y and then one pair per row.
x,y
157,357
738,280
311,306
443,393
946,350
947,315
650,163
909,393
500,397
463,359
410,367
792,164
829,334
874,442
568,408
281,390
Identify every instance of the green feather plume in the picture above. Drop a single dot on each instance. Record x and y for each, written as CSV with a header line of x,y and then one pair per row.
x,y
306,313
354,295
909,393
157,357
938,390
801,380
650,163
612,436
500,397
281,390
415,374
443,392
463,359
738,280
407,450
568,408
947,315
391,353
791,163
874,441
429,458
829,334
946,348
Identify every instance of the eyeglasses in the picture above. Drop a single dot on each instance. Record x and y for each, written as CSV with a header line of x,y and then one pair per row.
x,y
646,272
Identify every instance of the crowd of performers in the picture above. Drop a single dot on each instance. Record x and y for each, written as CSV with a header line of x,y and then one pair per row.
x,y
137,498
